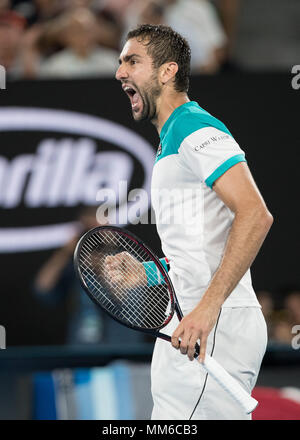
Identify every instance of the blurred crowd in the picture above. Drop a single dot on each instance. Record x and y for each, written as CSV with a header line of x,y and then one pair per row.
x,y
82,38
282,313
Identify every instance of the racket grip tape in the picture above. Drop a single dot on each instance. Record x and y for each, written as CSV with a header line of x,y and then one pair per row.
x,y
229,384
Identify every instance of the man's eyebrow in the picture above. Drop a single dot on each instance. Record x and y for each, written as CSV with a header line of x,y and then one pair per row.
x,y
128,57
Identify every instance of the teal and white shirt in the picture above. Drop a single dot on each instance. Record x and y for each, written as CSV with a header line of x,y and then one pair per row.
x,y
192,221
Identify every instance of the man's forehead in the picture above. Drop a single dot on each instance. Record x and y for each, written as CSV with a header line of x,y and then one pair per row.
x,y
133,46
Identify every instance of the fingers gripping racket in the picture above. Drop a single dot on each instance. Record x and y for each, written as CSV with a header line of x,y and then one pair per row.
x,y
110,263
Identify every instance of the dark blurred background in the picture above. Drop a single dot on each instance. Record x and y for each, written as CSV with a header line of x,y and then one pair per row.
x,y
66,131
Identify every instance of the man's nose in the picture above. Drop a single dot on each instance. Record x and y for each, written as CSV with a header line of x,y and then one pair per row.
x,y
121,73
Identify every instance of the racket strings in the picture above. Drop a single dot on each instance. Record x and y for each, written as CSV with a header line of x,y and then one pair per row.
x,y
129,298
126,311
133,249
145,313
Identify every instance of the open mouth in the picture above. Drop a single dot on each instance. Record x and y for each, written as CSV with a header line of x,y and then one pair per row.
x,y
133,95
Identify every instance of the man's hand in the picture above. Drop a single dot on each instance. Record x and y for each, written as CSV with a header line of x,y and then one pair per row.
x,y
194,326
125,271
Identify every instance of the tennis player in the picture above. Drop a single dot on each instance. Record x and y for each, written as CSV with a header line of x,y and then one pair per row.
x,y
211,250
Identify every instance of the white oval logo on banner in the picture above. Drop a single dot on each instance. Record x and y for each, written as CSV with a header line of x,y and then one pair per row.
x,y
33,238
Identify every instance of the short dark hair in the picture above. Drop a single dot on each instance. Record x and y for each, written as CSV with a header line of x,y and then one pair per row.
x,y
163,45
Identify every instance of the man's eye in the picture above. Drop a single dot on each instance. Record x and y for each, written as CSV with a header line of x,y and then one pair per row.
x,y
132,62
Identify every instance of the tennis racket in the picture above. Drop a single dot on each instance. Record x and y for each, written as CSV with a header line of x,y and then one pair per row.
x,y
126,279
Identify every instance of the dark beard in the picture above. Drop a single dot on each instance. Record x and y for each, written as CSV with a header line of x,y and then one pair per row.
x,y
149,97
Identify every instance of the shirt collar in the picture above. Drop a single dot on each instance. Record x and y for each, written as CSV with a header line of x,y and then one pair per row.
x,y
177,111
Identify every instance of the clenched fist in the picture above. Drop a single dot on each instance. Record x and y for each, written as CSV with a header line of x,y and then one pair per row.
x,y
125,271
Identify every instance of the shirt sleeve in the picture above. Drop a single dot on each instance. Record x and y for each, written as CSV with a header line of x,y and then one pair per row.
x,y
209,153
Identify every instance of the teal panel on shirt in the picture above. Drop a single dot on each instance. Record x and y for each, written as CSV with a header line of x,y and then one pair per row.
x,y
184,120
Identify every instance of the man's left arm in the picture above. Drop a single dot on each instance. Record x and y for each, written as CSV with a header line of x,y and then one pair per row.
x,y
252,221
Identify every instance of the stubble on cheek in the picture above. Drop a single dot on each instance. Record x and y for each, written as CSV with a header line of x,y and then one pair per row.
x,y
149,97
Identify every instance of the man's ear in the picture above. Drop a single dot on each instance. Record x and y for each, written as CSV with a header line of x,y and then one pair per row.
x,y
168,71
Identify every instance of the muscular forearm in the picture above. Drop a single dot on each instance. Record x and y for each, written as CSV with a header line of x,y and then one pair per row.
x,y
247,234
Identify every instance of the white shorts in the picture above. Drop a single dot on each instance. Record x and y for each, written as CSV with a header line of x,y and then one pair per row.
x,y
182,390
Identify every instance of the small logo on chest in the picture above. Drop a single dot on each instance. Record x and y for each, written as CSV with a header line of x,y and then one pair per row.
x,y
158,150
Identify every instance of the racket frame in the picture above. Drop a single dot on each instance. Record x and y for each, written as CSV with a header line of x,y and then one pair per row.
x,y
174,306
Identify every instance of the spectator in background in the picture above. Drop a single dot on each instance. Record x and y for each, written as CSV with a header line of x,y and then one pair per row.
x,y
113,12
12,27
196,20
37,14
228,12
292,306
56,281
287,316
39,11
281,315
282,328
78,32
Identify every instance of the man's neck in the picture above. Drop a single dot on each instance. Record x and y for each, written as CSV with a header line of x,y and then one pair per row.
x,y
166,106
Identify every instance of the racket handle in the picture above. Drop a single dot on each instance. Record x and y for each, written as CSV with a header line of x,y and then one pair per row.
x,y
224,379
229,384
